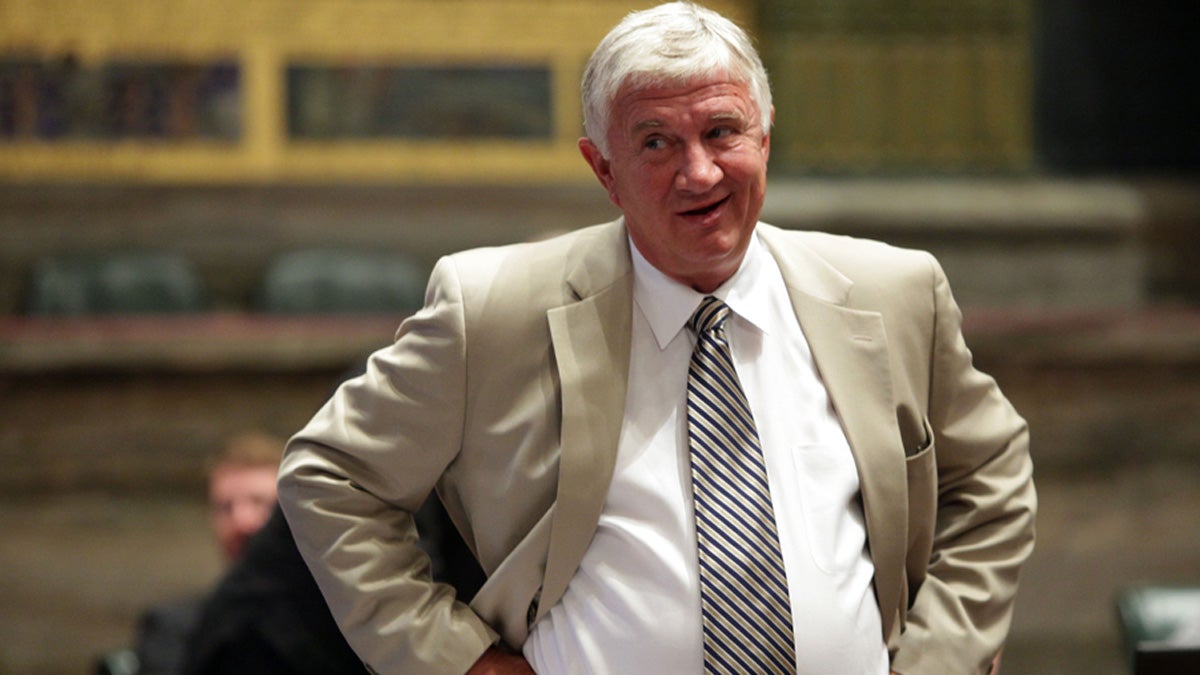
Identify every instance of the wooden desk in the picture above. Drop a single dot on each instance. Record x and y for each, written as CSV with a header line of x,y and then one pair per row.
x,y
135,404
189,343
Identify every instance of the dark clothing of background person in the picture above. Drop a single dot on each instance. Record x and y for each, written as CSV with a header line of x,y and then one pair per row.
x,y
162,636
267,616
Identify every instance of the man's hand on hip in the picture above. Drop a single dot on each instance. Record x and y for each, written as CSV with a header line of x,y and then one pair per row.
x,y
497,662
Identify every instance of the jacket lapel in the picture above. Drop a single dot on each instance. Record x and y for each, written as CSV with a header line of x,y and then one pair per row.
x,y
591,339
850,348
591,347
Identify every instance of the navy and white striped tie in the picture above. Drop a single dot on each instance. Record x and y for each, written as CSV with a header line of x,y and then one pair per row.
x,y
747,615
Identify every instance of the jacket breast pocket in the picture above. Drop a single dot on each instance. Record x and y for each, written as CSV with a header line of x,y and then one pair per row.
x,y
920,465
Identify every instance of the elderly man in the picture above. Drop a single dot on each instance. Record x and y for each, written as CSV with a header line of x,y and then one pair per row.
x,y
682,442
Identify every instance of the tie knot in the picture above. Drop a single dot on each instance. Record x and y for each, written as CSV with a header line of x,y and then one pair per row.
x,y
709,316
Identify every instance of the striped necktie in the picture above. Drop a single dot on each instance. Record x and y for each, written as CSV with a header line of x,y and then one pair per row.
x,y
746,612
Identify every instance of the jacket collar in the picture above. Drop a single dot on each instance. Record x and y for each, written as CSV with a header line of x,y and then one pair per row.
x,y
598,258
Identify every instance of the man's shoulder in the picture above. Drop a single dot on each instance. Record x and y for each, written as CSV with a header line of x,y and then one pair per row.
x,y
838,245
532,266
852,256
551,245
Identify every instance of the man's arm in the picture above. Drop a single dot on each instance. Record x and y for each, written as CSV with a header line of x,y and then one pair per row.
x,y
351,480
960,614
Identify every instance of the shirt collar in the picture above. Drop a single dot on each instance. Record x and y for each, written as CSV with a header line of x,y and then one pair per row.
x,y
668,304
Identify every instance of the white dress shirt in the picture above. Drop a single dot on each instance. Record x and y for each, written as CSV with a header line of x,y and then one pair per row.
x,y
634,604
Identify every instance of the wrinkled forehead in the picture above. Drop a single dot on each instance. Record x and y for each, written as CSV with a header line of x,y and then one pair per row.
x,y
717,97
681,77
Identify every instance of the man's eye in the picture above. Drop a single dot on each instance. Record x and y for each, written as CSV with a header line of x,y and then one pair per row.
x,y
721,132
655,143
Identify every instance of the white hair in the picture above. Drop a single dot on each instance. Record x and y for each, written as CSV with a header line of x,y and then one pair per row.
x,y
669,44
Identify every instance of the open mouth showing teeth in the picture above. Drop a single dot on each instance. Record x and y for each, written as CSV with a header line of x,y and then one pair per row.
x,y
705,210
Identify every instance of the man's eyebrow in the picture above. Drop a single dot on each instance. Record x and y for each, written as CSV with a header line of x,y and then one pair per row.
x,y
720,116
726,116
647,124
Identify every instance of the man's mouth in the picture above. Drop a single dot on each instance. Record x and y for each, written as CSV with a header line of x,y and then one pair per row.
x,y
707,209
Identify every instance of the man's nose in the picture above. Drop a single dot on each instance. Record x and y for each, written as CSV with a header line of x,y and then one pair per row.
x,y
698,172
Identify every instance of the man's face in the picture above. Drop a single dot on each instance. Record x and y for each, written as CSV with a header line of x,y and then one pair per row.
x,y
687,166
240,499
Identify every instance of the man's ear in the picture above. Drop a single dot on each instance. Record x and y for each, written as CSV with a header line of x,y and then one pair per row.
x,y
767,137
600,166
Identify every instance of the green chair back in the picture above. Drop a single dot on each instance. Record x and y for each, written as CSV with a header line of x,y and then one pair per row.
x,y
1160,626
114,283
342,281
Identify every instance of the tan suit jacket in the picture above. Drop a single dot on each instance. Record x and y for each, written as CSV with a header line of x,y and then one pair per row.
x,y
507,391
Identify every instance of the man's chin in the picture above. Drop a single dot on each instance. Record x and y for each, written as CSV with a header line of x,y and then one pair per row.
x,y
707,272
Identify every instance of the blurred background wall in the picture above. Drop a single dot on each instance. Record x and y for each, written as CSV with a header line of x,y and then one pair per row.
x,y
1045,150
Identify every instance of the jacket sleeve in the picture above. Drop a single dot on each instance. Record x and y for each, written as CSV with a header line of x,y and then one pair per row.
x,y
351,480
963,577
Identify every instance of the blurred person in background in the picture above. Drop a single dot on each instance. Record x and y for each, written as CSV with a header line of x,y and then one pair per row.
x,y
267,616
241,497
